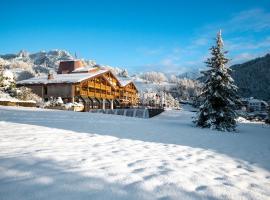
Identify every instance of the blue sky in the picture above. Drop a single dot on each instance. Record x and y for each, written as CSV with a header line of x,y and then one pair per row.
x,y
168,36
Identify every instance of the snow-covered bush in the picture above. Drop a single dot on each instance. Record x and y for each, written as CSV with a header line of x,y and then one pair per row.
x,y
170,101
26,94
150,98
186,89
59,101
70,106
160,98
7,82
154,77
54,102
9,91
6,96
3,63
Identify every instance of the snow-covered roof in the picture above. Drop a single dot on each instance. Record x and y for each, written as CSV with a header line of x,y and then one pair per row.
x,y
124,81
62,78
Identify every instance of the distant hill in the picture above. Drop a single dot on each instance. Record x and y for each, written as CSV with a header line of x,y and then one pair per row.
x,y
253,77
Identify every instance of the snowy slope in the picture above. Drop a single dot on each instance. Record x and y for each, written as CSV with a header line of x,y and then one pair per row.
x,y
65,155
26,65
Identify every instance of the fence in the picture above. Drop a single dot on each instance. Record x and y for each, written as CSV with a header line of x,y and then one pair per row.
x,y
131,112
18,103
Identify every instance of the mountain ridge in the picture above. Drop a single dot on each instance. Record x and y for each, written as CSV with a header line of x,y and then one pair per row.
x,y
253,77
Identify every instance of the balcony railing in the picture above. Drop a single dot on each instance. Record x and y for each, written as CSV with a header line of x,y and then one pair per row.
x,y
83,93
91,84
99,86
130,90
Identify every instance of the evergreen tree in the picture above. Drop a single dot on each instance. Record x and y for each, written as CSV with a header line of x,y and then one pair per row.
x,y
7,83
219,93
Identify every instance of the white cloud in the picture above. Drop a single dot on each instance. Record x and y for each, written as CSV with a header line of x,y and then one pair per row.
x,y
250,20
201,41
254,20
242,57
150,51
247,44
246,56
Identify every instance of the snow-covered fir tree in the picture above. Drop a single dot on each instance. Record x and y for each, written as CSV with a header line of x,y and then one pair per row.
x,y
169,101
219,92
7,81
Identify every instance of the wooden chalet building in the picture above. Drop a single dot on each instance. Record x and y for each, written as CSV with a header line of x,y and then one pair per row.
x,y
96,87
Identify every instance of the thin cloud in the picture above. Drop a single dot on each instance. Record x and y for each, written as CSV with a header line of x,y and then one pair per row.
x,y
150,51
246,56
250,20
243,43
240,35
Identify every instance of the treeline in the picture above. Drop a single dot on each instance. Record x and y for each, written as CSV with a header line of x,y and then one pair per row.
x,y
253,78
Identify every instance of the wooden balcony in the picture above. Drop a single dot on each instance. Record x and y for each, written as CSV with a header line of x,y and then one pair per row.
x,y
83,93
127,97
130,90
99,86
91,94
91,84
109,96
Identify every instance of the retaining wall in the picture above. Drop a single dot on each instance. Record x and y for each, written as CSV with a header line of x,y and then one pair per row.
x,y
131,112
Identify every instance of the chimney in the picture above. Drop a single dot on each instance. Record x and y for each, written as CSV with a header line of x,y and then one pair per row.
x,y
67,67
50,76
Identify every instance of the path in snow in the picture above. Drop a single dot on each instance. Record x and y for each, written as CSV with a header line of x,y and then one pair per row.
x,y
66,155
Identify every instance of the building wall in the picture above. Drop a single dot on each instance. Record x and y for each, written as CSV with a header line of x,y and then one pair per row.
x,y
37,89
59,90
103,86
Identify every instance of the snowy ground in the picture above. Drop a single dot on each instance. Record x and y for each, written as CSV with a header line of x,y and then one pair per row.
x,y
67,155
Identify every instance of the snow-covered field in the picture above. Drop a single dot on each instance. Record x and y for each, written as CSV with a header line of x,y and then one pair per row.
x,y
65,155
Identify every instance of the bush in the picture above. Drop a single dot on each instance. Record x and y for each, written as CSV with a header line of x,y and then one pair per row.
x,y
26,94
53,102
154,77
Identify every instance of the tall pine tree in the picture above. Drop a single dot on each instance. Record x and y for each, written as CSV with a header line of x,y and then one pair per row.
x,y
219,93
